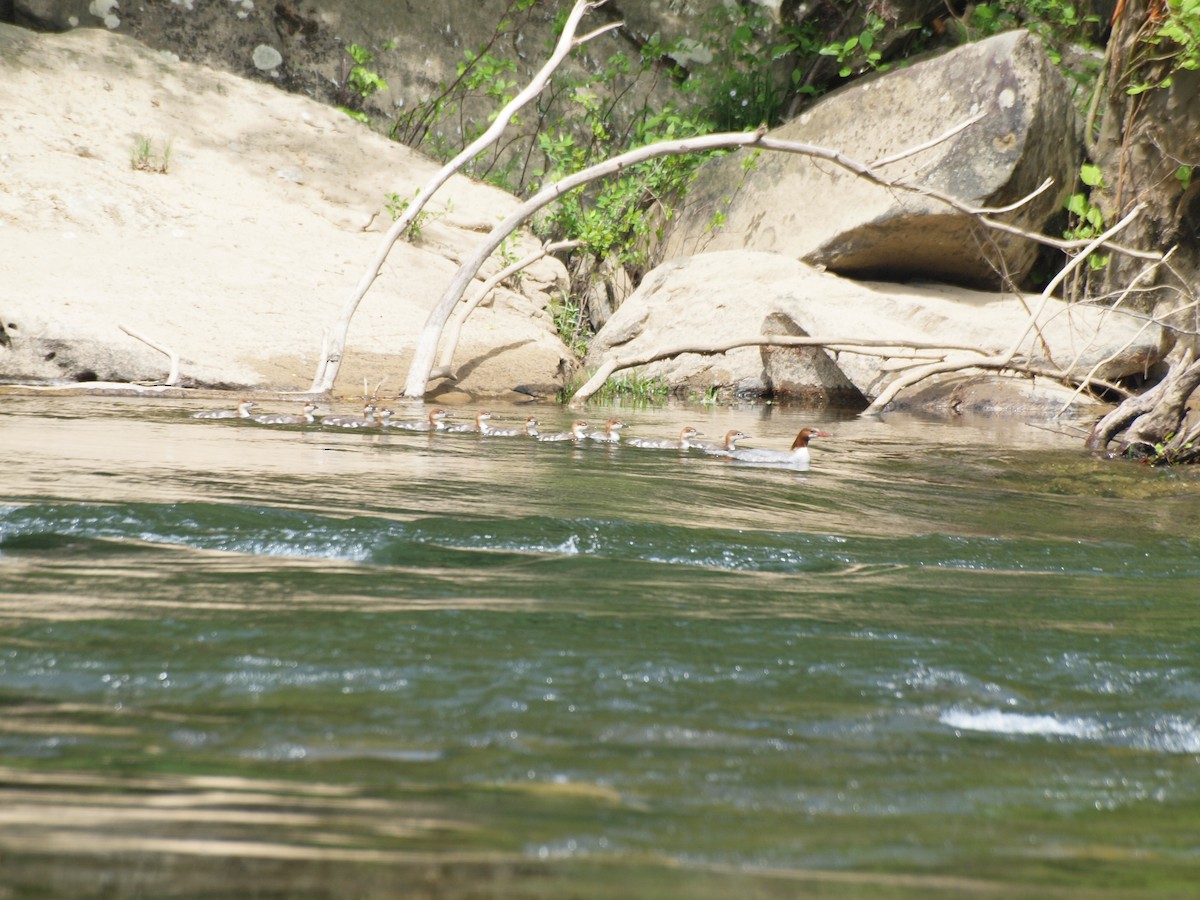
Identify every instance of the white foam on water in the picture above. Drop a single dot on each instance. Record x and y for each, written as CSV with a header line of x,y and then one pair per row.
x,y
1162,734
998,721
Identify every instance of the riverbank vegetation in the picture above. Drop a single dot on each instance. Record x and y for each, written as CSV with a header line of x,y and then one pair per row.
x,y
1130,72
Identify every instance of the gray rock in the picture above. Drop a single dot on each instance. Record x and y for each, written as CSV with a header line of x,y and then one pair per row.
x,y
812,210
715,297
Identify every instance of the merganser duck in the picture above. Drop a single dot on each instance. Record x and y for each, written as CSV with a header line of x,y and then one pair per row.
x,y
481,425
288,419
242,412
434,421
723,446
796,458
685,441
530,429
610,434
578,431
366,420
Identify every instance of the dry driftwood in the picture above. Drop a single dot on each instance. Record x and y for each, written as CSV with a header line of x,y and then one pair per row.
x,y
1155,423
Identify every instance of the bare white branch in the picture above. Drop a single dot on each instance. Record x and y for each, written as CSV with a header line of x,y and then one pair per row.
x,y
327,366
172,378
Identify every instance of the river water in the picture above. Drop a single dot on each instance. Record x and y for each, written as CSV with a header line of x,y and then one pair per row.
x,y
956,658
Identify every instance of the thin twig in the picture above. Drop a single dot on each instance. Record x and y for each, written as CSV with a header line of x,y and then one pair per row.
x,y
942,138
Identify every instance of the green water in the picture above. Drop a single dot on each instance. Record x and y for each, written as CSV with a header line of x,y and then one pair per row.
x,y
954,659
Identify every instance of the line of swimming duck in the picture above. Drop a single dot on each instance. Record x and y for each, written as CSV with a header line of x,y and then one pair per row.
x,y
795,457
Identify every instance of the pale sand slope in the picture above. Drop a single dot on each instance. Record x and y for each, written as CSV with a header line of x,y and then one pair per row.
x,y
244,252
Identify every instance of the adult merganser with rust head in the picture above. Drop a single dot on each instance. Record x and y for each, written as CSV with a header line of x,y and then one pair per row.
x,y
242,412
479,426
530,430
728,443
578,431
684,443
307,418
795,458
434,421
366,420
611,433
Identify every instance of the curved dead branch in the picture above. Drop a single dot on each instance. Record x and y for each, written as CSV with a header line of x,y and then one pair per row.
x,y
172,378
422,362
614,364
981,360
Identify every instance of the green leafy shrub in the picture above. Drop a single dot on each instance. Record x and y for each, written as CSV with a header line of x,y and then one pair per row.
x,y
1087,219
1173,46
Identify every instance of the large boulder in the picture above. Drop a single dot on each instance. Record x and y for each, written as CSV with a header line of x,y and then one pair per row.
x,y
711,298
244,250
812,210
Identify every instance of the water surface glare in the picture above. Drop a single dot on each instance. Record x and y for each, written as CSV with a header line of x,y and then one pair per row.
x,y
954,658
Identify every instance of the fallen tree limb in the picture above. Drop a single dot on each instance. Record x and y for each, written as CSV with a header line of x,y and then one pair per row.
x,y
1115,306
173,358
978,359
887,349
334,343
843,345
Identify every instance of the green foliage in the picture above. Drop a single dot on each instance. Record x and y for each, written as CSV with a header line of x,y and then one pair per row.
x,y
627,387
441,124
396,207
570,324
632,386
857,53
1169,451
144,157
1173,47
363,81
742,87
617,217
359,83
507,253
1086,219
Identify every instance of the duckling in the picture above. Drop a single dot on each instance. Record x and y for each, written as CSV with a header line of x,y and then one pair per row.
x,y
611,433
366,420
434,421
685,441
480,425
729,443
578,430
242,412
530,429
307,418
